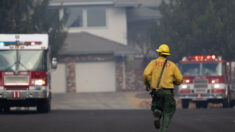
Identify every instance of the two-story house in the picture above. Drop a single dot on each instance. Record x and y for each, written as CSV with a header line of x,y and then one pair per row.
x,y
93,58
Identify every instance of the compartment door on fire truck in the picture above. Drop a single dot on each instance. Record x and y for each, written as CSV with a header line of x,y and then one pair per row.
x,y
95,77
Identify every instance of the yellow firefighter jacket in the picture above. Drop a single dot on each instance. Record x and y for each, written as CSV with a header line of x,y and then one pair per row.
x,y
171,73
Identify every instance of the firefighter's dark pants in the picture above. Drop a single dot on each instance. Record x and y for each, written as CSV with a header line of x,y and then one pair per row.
x,y
163,104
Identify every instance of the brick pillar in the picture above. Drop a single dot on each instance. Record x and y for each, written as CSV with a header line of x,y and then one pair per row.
x,y
119,75
70,76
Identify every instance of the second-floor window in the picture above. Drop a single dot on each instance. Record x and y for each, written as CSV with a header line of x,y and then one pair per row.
x,y
84,17
73,17
96,16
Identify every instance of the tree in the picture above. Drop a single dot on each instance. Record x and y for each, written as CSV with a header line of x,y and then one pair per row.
x,y
32,16
139,38
197,27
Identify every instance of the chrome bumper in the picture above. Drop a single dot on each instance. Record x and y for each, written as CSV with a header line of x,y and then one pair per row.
x,y
195,97
41,93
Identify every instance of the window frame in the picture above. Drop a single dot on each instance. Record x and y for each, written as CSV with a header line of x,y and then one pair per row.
x,y
82,16
85,18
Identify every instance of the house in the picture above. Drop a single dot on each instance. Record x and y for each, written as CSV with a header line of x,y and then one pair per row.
x,y
94,57
104,18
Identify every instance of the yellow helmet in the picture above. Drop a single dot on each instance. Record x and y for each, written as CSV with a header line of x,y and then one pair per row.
x,y
164,49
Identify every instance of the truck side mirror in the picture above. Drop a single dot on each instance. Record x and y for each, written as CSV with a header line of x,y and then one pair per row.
x,y
54,63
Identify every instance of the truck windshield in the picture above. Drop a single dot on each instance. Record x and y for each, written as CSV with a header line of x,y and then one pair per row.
x,y
190,69
28,60
212,69
202,69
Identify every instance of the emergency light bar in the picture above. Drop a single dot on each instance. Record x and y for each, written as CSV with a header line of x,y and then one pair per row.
x,y
23,41
201,58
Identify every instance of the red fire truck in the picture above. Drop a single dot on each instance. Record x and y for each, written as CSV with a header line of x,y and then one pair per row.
x,y
25,71
206,79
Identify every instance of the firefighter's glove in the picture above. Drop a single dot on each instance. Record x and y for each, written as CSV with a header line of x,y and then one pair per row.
x,y
147,87
175,83
154,94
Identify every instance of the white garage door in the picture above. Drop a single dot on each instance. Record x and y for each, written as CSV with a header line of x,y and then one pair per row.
x,y
95,77
58,82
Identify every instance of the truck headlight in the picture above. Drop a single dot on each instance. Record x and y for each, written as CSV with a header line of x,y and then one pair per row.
x,y
183,86
39,82
216,86
219,86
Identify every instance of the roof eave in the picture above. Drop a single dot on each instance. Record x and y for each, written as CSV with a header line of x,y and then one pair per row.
x,y
85,53
81,3
127,4
126,53
115,4
115,53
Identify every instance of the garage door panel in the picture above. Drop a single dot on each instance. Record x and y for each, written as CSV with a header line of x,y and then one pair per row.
x,y
95,77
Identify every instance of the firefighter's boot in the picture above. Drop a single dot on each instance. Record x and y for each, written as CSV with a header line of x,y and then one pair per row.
x,y
157,120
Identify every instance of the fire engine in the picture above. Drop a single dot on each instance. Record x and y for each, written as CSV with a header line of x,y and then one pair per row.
x,y
25,71
206,79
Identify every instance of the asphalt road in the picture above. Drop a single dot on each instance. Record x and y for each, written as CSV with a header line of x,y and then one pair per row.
x,y
191,120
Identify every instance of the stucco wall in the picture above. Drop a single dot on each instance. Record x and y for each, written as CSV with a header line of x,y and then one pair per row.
x,y
116,29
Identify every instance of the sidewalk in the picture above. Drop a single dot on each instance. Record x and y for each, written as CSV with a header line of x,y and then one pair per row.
x,y
108,100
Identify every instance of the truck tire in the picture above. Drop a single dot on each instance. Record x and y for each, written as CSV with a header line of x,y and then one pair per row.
x,y
202,104
232,103
44,106
227,103
198,104
185,103
6,109
1,106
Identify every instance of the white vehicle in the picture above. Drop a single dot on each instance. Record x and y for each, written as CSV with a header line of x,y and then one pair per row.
x,y
25,71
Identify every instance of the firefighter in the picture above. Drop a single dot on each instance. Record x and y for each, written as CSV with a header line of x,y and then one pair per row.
x,y
162,85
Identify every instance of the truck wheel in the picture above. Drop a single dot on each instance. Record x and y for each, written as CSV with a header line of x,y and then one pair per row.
x,y
6,109
184,103
198,104
204,104
201,104
232,103
1,106
44,106
227,103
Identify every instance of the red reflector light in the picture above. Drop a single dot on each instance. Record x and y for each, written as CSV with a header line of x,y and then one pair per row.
x,y
38,75
185,91
1,79
32,42
218,91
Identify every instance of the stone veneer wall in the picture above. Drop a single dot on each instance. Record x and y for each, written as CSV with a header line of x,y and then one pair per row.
x,y
70,76
134,78
119,75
